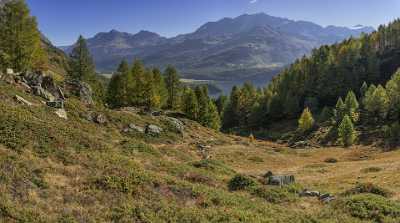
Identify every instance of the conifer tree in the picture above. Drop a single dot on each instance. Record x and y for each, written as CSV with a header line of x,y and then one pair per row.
x,y
377,104
346,132
213,119
81,62
118,91
190,104
231,114
352,106
160,86
138,86
306,121
173,86
221,103
203,101
20,40
340,110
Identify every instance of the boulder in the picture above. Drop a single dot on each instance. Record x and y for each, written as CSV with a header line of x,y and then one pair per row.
x,y
281,180
326,198
153,130
39,91
81,90
300,144
8,78
177,124
136,128
9,71
307,193
59,104
61,113
100,119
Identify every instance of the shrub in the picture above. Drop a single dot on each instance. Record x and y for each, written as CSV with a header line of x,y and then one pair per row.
x,y
392,134
372,169
372,207
368,188
330,160
241,182
278,194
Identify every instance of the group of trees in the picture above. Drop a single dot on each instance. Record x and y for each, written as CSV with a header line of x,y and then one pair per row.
x,y
149,88
376,106
20,40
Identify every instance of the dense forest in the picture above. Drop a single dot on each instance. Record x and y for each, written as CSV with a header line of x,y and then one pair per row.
x,y
360,67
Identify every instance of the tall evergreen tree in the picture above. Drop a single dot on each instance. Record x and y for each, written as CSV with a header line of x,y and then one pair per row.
x,y
340,110
213,118
203,101
377,104
352,106
20,41
159,84
173,86
346,132
190,104
81,62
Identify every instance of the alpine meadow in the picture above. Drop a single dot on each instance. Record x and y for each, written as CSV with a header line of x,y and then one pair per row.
x,y
225,114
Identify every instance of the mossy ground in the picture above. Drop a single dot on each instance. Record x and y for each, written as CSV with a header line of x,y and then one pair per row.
x,y
54,170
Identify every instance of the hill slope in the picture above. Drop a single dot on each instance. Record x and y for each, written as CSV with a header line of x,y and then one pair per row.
x,y
77,170
248,46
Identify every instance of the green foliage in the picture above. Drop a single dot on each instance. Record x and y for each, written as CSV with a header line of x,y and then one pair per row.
x,y
325,115
306,121
392,134
363,188
81,62
340,110
372,207
241,182
377,102
20,43
190,104
278,195
213,119
352,106
346,132
173,86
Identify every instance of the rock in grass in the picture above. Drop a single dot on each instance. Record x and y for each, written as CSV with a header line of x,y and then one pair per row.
x,y
22,100
153,130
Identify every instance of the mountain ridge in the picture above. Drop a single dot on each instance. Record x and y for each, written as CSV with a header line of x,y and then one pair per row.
x,y
230,48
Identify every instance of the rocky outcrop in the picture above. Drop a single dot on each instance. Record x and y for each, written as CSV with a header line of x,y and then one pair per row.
x,y
153,130
81,90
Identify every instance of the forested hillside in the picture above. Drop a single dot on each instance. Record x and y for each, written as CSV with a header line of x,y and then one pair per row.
x,y
318,81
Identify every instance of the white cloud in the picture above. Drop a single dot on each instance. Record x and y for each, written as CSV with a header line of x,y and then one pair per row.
x,y
253,1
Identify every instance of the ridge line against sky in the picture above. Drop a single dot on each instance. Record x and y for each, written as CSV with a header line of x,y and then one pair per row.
x,y
63,20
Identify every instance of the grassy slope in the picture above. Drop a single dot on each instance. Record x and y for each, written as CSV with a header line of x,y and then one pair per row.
x,y
52,170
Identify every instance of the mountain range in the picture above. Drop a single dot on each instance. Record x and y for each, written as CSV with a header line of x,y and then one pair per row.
x,y
248,47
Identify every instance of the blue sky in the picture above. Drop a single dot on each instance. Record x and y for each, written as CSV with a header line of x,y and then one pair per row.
x,y
63,20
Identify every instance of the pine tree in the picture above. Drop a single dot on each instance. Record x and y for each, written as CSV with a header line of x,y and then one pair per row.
x,y
81,62
213,119
20,41
138,87
377,104
160,86
173,86
231,114
190,105
203,101
306,121
221,103
346,132
340,110
117,91
352,106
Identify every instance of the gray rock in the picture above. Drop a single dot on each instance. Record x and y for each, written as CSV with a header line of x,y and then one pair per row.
x,y
300,144
56,104
281,180
8,78
61,113
307,193
81,90
177,124
326,198
136,128
39,91
100,119
22,100
9,71
153,130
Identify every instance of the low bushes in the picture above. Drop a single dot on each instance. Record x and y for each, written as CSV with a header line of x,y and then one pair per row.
x,y
368,188
241,182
